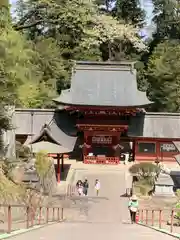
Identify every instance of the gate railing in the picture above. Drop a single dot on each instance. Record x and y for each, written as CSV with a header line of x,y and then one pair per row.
x,y
167,220
16,217
71,190
101,160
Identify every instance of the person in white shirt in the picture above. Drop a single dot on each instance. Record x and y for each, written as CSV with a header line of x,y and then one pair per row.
x,y
97,186
80,190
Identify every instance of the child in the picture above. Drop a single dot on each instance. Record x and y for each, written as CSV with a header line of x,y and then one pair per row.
x,y
80,190
97,186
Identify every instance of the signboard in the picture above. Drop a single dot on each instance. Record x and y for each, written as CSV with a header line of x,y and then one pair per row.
x,y
102,140
168,147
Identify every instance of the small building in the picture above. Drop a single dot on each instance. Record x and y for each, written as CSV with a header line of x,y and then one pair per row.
x,y
103,116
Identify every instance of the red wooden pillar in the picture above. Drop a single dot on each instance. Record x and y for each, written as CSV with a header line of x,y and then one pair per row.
x,y
62,163
134,149
58,168
84,147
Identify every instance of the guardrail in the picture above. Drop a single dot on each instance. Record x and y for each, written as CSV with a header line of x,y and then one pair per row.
x,y
30,216
71,190
101,160
165,219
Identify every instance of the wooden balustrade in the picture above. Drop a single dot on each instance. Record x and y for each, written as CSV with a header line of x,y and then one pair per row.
x,y
101,160
161,218
25,216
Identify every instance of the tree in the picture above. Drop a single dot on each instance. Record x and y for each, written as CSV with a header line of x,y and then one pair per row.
x,y
130,11
167,19
164,76
105,5
75,25
24,67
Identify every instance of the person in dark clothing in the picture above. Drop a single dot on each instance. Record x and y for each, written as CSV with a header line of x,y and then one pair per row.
x,y
85,187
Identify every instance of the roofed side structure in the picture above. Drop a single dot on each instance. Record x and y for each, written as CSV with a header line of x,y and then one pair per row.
x,y
155,125
30,121
103,84
53,124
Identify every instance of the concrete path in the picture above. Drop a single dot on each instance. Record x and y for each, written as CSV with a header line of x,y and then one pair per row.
x,y
104,217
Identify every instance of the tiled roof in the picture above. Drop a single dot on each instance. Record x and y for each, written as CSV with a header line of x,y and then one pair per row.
x,y
155,125
49,147
56,124
30,121
103,84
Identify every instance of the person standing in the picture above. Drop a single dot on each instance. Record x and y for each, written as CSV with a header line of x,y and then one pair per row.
x,y
133,208
79,183
85,187
79,186
97,186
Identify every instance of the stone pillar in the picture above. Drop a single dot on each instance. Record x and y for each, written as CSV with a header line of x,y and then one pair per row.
x,y
9,137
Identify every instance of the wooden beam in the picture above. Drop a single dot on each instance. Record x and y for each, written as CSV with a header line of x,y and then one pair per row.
x,y
58,169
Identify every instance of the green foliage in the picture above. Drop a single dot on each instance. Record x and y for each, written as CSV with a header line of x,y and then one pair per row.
x,y
4,125
145,171
9,191
22,152
130,11
177,207
76,24
42,164
143,187
167,19
36,52
164,76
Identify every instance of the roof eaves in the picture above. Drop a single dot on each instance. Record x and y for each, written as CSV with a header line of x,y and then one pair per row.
x,y
107,63
162,114
47,131
20,110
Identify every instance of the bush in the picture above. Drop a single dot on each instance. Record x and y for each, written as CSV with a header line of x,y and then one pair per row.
x,y
42,164
146,171
46,172
143,187
22,152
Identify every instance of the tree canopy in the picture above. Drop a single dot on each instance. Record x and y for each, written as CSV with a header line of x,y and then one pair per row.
x,y
38,45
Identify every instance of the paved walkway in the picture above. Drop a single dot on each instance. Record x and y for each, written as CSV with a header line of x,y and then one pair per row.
x,y
104,217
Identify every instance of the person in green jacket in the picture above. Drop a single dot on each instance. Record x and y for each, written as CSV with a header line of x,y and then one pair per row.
x,y
133,208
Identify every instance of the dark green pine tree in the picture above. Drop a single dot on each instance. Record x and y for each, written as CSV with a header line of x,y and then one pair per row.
x,y
130,11
4,121
166,19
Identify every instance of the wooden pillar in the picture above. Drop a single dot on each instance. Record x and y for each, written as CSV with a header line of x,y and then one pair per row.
x,y
58,169
62,163
134,149
84,150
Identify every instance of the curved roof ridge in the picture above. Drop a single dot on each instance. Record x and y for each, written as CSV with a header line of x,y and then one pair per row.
x,y
61,137
45,130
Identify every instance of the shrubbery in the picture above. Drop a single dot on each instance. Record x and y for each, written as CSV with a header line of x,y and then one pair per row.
x,y
146,175
146,171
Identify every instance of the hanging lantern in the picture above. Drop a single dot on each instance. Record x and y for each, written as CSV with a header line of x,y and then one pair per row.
x,y
118,146
84,145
